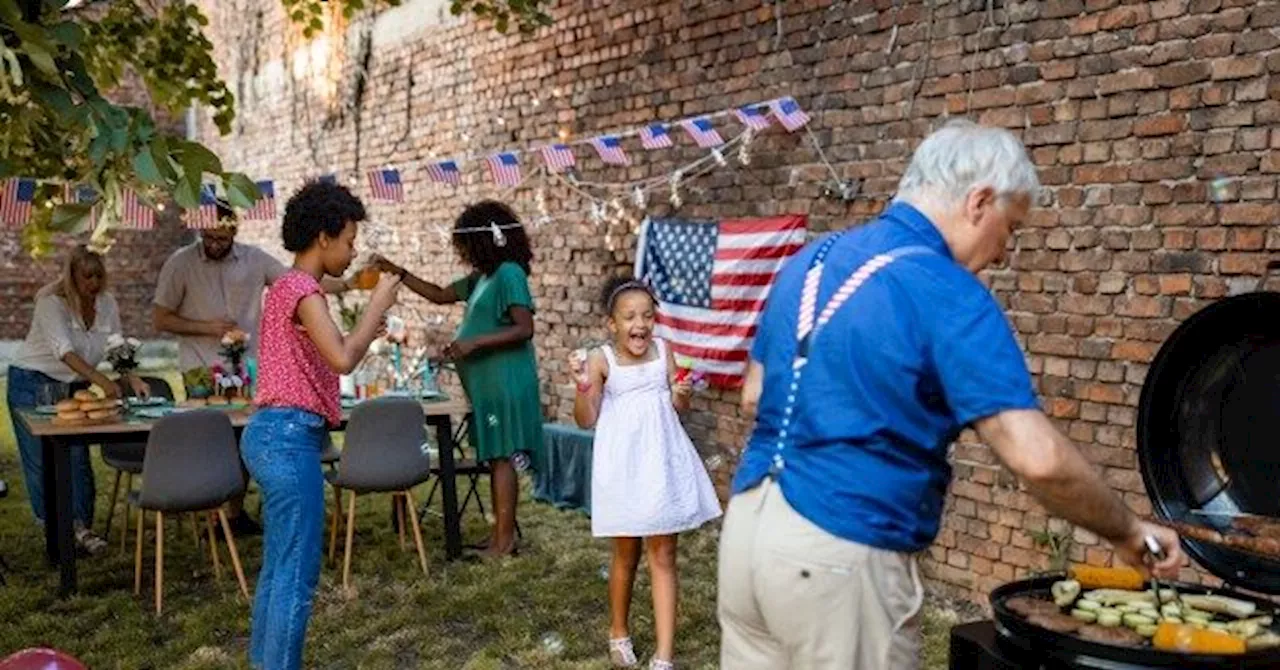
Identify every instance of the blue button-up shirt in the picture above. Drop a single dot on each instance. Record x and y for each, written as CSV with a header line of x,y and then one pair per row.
x,y
858,443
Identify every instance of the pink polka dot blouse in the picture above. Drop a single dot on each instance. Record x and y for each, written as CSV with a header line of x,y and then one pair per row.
x,y
291,371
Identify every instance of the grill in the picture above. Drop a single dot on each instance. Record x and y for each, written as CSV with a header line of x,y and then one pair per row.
x,y
1208,422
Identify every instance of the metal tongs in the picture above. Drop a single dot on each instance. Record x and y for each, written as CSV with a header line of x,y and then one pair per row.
x,y
1157,553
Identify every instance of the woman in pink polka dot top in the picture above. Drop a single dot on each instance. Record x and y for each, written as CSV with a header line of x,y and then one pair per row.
x,y
302,352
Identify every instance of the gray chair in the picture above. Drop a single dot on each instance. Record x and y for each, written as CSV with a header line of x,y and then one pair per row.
x,y
192,465
385,451
126,459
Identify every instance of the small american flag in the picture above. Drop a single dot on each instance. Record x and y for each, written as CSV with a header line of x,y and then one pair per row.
x,y
15,201
504,168
712,279
789,113
135,213
205,216
752,117
82,194
655,136
702,132
386,185
558,157
610,150
445,172
265,208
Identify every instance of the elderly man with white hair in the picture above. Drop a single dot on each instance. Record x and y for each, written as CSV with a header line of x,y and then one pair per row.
x,y
877,347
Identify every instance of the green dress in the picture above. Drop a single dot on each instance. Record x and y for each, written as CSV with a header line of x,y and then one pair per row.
x,y
502,384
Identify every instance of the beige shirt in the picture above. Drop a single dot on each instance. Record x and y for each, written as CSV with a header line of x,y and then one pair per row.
x,y
200,289
56,331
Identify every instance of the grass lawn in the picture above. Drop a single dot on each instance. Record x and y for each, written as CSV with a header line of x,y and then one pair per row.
x,y
545,608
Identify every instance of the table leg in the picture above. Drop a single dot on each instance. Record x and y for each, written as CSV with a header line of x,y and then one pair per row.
x,y
48,450
448,488
63,528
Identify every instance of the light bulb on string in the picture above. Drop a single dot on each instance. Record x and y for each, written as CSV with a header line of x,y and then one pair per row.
x,y
618,211
795,177
719,157
597,213
675,188
639,198
744,153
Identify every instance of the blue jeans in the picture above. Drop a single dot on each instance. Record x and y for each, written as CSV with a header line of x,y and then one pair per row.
x,y
281,448
25,388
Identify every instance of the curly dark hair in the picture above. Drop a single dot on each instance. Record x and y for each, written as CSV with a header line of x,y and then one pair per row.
x,y
479,249
617,286
319,207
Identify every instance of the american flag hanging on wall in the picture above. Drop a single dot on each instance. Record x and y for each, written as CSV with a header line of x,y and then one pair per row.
x,y
386,185
711,279
265,208
16,198
205,216
134,212
504,169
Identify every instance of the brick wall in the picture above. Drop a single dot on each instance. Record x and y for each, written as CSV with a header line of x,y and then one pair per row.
x,y
132,267
1153,125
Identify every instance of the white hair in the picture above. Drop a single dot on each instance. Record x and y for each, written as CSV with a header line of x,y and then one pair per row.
x,y
961,156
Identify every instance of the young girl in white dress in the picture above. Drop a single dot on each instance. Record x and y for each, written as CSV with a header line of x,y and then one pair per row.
x,y
647,481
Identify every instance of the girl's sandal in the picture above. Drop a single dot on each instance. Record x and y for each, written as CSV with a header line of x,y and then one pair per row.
x,y
659,664
621,653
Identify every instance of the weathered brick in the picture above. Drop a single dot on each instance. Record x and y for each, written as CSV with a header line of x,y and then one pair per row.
x,y
1236,68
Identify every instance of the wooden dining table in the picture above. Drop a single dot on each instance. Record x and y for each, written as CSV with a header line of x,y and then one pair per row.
x,y
55,442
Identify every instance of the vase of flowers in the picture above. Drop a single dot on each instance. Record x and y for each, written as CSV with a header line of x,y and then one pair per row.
x,y
122,353
232,380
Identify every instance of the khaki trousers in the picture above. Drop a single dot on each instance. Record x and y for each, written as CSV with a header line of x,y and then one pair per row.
x,y
794,597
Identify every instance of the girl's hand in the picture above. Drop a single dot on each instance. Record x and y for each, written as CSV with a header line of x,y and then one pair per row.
x,y
459,349
384,294
578,366
682,389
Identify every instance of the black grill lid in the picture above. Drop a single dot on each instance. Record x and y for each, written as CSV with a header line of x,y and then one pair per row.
x,y
1209,428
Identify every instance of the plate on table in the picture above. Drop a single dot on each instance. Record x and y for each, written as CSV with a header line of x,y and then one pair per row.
x,y
149,402
49,410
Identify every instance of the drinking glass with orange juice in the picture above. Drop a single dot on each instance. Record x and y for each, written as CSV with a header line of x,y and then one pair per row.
x,y
367,278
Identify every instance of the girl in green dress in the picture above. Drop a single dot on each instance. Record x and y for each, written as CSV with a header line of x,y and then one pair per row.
x,y
493,351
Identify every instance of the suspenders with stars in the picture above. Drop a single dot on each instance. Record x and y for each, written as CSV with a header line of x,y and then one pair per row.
x,y
807,327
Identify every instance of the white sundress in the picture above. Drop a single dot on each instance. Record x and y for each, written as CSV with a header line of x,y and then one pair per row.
x,y
646,476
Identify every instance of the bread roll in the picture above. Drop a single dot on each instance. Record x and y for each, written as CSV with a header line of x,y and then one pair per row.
x,y
99,405
71,414
101,414
68,405
61,421
192,402
217,400
85,396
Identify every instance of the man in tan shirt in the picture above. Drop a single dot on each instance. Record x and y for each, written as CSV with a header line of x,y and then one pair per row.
x,y
212,286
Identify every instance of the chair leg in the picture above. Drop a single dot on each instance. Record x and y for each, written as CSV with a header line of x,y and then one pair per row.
x,y
137,556
111,509
159,561
333,523
417,531
395,500
213,545
128,488
351,527
235,554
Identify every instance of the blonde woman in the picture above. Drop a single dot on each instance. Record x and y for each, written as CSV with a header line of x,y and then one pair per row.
x,y
74,317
